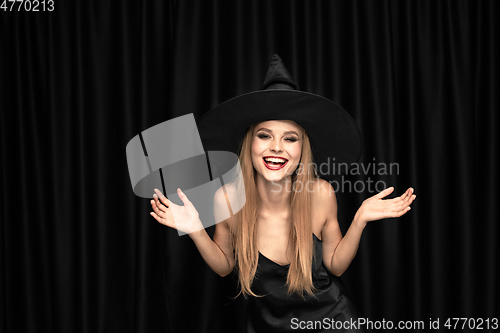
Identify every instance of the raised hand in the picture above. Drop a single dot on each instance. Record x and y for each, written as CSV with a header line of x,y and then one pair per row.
x,y
183,218
376,208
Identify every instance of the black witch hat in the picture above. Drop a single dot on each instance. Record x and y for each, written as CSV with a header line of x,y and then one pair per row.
x,y
335,137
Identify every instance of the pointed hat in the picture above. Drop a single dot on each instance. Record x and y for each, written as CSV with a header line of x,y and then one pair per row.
x,y
335,137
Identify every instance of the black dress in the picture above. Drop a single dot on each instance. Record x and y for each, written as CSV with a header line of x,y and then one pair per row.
x,y
277,312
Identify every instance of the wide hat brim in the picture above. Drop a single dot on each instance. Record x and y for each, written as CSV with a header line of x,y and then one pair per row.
x,y
335,137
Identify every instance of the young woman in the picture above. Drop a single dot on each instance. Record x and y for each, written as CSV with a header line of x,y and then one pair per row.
x,y
285,243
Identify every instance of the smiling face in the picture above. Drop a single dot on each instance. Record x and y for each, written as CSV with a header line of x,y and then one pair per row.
x,y
276,148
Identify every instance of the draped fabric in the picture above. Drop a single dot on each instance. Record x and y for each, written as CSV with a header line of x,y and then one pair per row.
x,y
277,311
79,251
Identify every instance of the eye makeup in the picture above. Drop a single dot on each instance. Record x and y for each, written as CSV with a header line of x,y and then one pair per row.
x,y
265,136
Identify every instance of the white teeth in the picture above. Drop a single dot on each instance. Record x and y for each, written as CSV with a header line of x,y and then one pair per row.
x,y
273,159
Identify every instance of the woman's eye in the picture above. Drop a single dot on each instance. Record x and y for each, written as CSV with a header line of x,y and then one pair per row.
x,y
265,136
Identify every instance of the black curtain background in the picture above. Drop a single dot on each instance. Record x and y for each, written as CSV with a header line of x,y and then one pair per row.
x,y
79,251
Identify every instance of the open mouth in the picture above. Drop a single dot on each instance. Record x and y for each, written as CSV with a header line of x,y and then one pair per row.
x,y
274,163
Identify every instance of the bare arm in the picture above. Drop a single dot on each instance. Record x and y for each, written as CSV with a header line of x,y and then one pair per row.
x,y
345,250
213,253
218,254
338,251
335,257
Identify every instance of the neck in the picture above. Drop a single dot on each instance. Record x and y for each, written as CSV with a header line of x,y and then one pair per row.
x,y
274,196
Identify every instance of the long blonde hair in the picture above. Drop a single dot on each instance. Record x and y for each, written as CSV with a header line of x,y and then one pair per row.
x,y
244,230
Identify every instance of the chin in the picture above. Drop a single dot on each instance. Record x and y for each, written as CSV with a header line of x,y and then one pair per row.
x,y
275,176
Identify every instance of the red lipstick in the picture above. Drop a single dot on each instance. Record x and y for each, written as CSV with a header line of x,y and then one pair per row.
x,y
274,167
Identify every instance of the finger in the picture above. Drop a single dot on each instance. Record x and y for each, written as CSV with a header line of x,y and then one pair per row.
x,y
155,197
160,206
157,210
409,200
163,200
156,217
406,200
161,197
405,195
411,196
183,197
396,202
398,213
384,193
161,220
155,207
410,192
158,192
166,202
164,218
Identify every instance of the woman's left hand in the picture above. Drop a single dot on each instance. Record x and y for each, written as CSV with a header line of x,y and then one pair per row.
x,y
375,208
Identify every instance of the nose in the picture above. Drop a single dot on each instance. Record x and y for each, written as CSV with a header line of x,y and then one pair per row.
x,y
276,146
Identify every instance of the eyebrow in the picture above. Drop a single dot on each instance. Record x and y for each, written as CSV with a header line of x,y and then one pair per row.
x,y
269,131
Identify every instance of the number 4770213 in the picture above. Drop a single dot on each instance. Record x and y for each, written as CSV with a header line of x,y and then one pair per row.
x,y
27,5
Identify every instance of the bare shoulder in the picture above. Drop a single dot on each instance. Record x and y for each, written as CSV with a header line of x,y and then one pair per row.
x,y
323,192
324,204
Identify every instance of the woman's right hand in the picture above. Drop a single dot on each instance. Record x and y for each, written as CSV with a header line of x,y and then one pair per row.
x,y
182,218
